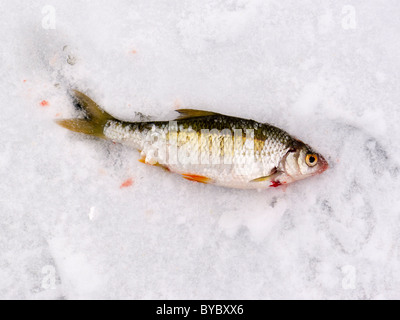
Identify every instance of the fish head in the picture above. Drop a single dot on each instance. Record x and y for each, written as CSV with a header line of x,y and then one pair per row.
x,y
302,162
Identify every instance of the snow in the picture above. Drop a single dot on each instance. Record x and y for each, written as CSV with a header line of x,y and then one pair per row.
x,y
325,71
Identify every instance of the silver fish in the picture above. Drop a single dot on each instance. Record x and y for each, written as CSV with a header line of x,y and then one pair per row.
x,y
207,147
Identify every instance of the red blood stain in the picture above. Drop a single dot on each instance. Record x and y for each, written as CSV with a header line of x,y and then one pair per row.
x,y
126,183
133,51
44,103
275,184
23,80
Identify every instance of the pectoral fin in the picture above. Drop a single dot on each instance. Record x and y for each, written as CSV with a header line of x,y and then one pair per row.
x,y
195,177
156,164
274,173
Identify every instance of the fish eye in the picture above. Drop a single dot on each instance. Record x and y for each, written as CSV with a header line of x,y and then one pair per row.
x,y
311,159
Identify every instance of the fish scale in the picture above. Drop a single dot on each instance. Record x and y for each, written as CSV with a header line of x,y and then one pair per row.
x,y
239,163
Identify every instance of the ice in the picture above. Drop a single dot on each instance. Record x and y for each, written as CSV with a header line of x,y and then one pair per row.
x,y
327,72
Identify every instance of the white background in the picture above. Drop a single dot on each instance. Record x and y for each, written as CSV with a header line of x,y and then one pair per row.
x,y
325,71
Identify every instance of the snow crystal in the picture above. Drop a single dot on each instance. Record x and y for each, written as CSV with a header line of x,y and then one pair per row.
x,y
327,72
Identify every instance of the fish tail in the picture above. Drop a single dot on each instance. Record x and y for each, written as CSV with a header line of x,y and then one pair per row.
x,y
95,118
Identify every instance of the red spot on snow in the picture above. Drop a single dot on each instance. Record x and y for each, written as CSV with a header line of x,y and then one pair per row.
x,y
44,103
58,114
275,184
126,183
177,104
133,51
24,81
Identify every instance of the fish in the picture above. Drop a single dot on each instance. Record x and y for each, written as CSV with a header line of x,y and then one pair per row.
x,y
205,146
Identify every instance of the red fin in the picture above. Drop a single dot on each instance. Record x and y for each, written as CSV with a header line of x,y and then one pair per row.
x,y
197,178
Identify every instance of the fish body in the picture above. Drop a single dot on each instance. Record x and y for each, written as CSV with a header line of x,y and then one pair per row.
x,y
208,147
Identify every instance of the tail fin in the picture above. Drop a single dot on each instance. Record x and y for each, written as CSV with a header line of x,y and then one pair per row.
x,y
95,117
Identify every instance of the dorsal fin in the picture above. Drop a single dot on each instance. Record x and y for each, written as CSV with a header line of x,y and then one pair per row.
x,y
193,113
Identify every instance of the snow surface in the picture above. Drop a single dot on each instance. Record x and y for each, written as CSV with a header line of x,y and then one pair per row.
x,y
67,229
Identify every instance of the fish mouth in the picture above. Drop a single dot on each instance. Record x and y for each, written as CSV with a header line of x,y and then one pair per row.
x,y
323,165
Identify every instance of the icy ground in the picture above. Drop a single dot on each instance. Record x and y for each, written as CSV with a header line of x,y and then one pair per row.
x,y
325,71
